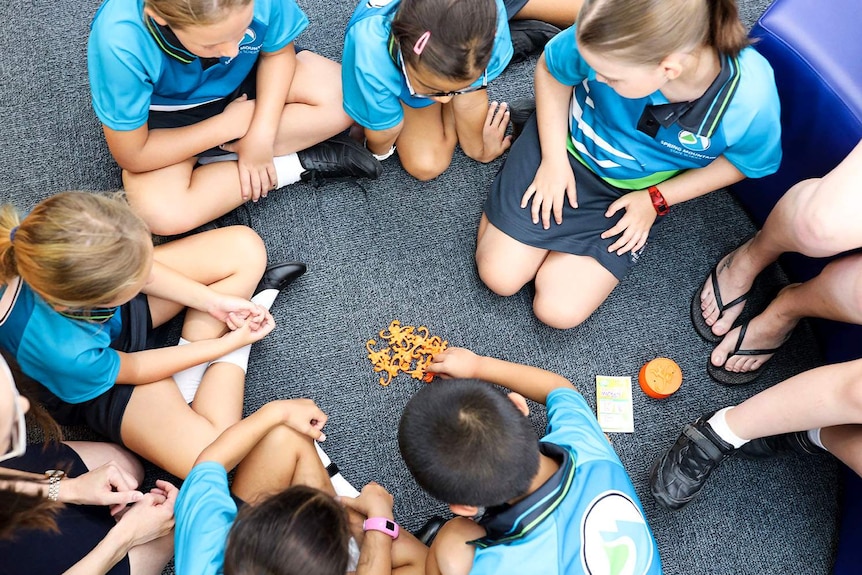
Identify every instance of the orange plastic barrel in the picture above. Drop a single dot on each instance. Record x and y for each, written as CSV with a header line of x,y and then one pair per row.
x,y
660,377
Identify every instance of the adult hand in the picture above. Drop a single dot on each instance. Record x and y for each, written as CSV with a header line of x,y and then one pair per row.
x,y
109,485
455,362
373,501
152,517
304,416
634,225
554,180
494,138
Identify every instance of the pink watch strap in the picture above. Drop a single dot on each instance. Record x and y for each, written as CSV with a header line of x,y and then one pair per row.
x,y
382,524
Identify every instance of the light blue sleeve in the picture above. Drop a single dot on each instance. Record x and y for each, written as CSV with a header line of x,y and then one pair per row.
x,y
121,74
502,52
571,422
204,514
752,125
285,22
564,59
370,79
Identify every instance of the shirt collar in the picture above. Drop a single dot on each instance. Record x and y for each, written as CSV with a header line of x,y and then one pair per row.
x,y
168,42
505,523
700,116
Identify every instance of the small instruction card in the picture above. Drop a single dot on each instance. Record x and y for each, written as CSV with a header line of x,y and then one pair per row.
x,y
614,404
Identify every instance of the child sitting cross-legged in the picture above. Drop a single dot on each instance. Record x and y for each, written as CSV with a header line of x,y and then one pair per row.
x,y
562,504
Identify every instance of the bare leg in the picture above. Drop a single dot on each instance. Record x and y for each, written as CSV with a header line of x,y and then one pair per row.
x,y
427,140
822,397
815,217
450,553
560,14
570,288
845,443
505,264
95,454
835,294
236,270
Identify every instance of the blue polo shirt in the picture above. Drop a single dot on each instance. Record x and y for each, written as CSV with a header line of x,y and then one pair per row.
x,y
70,357
585,519
635,143
373,84
135,65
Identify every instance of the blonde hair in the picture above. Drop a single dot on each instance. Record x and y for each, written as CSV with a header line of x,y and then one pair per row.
x,y
77,250
185,13
647,31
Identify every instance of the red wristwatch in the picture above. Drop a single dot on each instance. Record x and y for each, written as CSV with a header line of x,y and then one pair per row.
x,y
658,201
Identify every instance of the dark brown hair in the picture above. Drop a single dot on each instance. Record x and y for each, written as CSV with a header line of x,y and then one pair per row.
x,y
461,35
300,531
647,31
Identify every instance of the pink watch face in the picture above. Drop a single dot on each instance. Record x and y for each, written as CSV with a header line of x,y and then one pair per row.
x,y
381,524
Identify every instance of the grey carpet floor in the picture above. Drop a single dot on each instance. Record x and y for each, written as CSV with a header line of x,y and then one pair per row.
x,y
400,249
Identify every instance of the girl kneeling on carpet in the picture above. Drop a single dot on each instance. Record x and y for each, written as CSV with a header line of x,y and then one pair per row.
x,y
641,105
81,289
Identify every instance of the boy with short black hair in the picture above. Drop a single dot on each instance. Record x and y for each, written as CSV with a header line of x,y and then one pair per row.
x,y
562,505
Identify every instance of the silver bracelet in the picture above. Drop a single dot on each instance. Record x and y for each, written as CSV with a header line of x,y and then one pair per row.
x,y
54,477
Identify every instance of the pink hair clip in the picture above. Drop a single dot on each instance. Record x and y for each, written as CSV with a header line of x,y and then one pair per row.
x,y
420,44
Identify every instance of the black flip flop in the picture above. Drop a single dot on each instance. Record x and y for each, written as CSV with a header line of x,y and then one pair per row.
x,y
703,329
731,378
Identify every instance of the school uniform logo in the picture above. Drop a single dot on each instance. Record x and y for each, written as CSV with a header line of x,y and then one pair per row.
x,y
616,539
249,41
693,142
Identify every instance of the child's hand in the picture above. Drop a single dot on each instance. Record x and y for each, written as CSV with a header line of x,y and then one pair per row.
x,y
634,225
256,171
152,517
237,116
373,501
304,416
553,181
224,307
455,362
494,138
248,331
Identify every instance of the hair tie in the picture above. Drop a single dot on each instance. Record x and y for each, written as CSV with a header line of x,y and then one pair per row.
x,y
420,44
12,233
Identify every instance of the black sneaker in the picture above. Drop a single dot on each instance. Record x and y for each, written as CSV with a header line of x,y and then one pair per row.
x,y
519,112
679,475
529,37
279,276
776,445
338,157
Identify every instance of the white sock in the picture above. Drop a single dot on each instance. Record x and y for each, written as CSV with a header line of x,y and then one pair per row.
x,y
238,357
353,555
814,437
288,169
188,380
339,483
265,298
718,422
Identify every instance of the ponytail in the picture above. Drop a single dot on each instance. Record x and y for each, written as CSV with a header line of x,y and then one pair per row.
x,y
726,32
9,221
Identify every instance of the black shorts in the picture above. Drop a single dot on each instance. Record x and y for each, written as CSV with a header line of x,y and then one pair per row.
x,y
179,118
104,414
580,232
514,6
81,527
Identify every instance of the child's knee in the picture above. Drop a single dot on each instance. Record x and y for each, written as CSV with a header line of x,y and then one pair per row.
x,y
249,248
497,279
559,315
426,166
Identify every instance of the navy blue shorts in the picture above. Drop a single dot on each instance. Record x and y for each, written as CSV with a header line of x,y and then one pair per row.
x,y
104,414
179,118
81,527
580,232
514,6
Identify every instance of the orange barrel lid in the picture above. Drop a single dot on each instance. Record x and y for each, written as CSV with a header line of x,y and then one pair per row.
x,y
660,377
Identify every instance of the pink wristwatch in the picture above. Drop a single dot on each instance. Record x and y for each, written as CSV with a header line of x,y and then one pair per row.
x,y
381,524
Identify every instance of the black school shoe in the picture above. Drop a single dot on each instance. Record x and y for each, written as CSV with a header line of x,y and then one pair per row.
x,y
428,532
519,112
776,445
338,157
529,37
679,475
279,276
